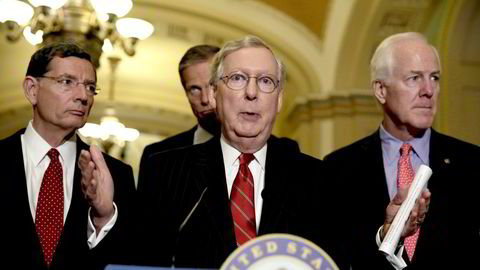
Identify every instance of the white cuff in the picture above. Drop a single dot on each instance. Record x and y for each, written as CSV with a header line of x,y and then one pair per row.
x,y
396,261
93,237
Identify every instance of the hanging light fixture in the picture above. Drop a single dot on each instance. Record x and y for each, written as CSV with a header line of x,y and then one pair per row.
x,y
92,24
110,127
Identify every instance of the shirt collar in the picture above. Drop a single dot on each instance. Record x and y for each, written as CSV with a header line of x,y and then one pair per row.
x,y
231,154
38,147
201,135
391,145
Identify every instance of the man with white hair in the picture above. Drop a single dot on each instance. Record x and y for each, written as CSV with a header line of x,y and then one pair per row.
x,y
210,198
442,231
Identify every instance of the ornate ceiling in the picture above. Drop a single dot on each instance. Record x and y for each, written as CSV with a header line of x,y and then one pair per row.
x,y
326,46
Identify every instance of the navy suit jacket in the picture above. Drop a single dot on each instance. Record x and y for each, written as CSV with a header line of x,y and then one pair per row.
x,y
449,236
22,246
292,203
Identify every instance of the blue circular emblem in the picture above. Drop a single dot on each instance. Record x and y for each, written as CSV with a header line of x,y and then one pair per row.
x,y
279,252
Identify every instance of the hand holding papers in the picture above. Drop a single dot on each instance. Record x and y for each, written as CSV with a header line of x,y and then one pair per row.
x,y
394,233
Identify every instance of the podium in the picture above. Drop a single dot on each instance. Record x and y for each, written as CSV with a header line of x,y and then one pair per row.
x,y
270,251
136,267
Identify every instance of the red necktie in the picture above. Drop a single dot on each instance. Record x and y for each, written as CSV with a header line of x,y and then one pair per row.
x,y
404,178
242,202
49,215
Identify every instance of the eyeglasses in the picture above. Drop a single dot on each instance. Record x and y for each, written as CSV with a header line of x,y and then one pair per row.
x,y
67,84
238,81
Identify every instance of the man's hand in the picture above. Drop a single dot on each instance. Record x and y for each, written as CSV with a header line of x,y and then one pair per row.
x,y
417,216
97,185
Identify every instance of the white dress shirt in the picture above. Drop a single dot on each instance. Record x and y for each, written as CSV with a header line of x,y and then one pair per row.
x,y
36,161
201,135
257,168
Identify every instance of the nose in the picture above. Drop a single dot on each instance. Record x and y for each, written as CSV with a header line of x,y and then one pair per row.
x,y
428,87
81,93
251,90
204,95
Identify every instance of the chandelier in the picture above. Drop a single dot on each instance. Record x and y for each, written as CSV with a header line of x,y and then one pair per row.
x,y
95,25
110,130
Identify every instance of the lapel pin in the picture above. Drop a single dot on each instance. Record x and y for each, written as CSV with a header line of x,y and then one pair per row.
x,y
447,161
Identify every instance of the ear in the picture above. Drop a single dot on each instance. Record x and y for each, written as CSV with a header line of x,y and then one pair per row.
x,y
212,95
380,91
280,100
30,89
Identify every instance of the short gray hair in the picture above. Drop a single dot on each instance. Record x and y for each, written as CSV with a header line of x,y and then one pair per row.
x,y
235,45
381,64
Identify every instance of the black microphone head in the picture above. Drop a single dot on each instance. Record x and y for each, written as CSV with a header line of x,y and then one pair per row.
x,y
266,194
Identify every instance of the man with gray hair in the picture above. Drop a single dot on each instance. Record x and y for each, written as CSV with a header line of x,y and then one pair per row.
x,y
442,231
213,197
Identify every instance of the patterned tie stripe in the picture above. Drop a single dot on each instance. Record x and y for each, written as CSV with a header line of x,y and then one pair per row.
x,y
242,202
49,213
404,178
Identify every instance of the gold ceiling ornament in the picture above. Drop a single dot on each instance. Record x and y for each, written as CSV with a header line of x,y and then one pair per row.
x,y
95,25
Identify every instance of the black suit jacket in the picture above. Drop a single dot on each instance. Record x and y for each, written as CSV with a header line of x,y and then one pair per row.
x,y
21,244
180,140
449,236
290,201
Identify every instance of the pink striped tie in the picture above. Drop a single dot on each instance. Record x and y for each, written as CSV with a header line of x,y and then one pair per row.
x,y
49,213
242,202
404,178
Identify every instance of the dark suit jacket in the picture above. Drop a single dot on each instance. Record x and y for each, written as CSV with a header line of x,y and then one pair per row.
x,y
449,236
180,140
290,204
21,244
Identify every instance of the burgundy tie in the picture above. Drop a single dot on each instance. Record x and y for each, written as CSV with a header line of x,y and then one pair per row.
x,y
242,202
49,215
405,177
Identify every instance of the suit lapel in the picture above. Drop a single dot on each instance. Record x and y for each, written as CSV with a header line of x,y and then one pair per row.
x,y
278,172
373,157
211,169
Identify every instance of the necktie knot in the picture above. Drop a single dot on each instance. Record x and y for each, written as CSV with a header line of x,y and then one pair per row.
x,y
246,158
53,154
405,149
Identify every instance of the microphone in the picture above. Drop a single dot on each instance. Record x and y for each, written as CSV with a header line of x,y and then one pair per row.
x,y
180,228
266,194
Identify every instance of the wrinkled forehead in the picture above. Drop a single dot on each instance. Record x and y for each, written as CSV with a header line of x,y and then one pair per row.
x,y
251,60
74,66
415,56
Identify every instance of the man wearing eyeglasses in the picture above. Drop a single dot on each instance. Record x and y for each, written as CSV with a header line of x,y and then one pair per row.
x,y
54,215
211,198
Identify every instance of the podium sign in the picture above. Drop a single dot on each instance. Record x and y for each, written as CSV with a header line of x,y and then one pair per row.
x,y
279,251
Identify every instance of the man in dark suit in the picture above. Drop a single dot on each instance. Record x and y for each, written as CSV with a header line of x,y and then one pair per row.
x,y
195,213
405,79
194,70
55,216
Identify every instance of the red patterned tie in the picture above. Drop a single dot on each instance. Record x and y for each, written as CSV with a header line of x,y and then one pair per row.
x,y
404,178
49,215
242,202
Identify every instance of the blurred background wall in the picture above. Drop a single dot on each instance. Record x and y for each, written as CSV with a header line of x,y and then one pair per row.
x,y
325,44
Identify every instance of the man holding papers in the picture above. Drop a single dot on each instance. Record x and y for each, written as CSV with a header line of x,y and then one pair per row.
x,y
442,230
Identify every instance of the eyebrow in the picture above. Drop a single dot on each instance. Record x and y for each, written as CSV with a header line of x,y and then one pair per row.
x,y
70,76
421,72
